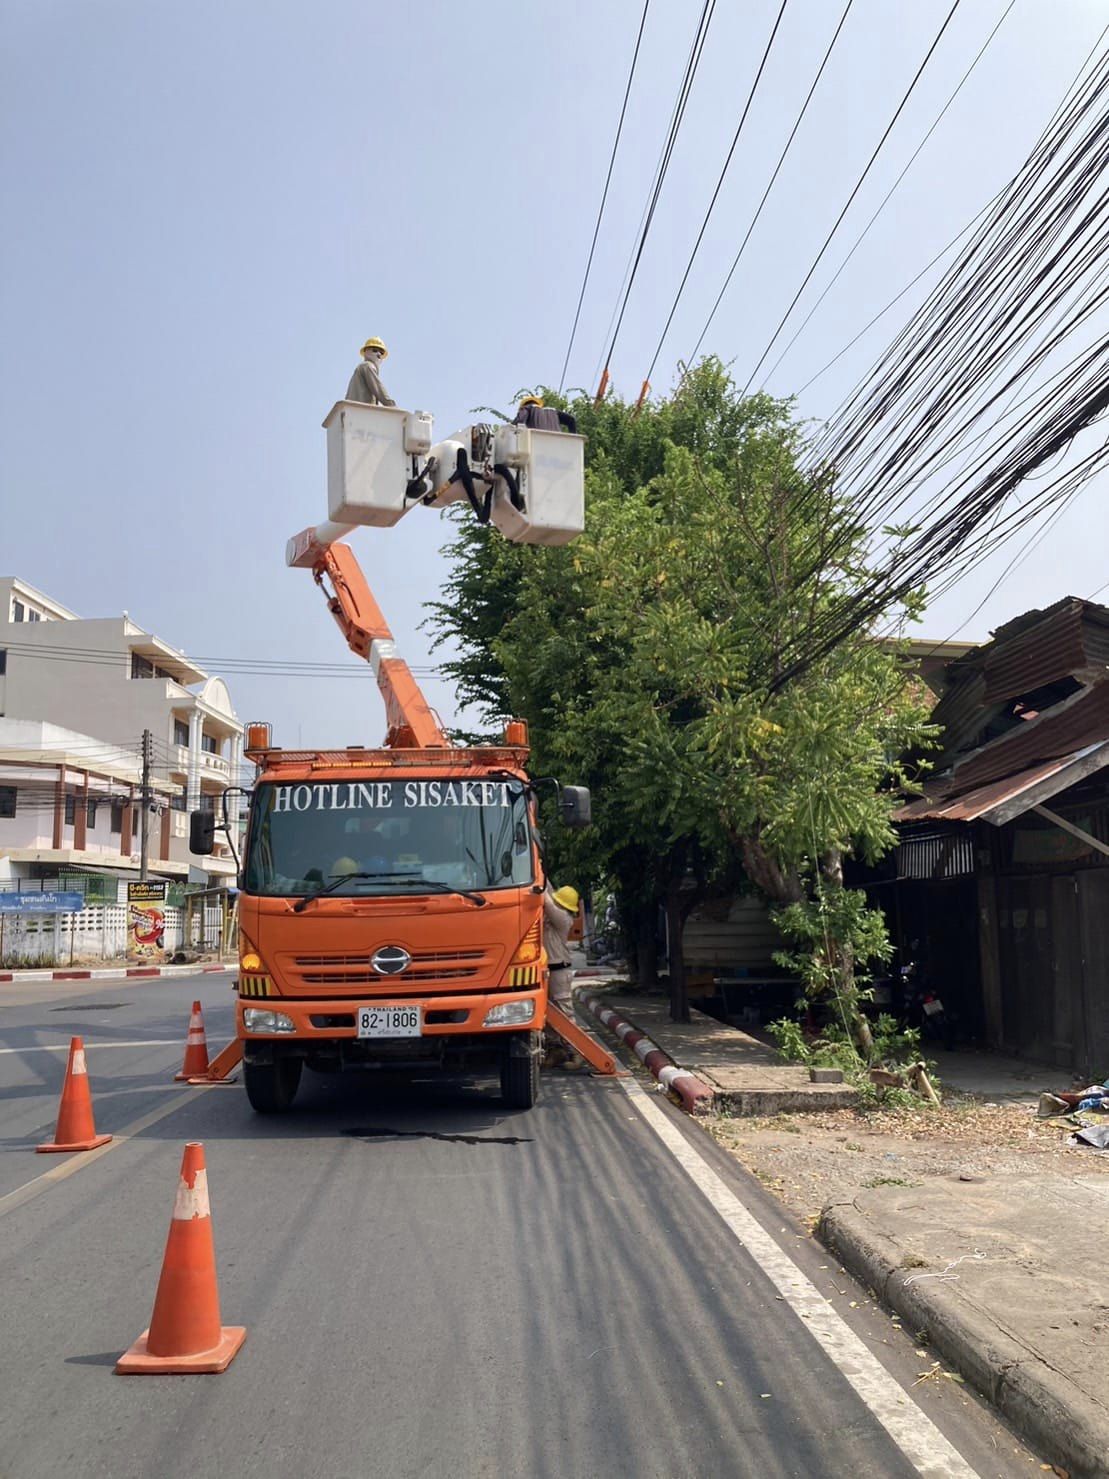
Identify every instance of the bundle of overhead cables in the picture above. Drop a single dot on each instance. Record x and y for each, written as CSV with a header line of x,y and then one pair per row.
x,y
979,417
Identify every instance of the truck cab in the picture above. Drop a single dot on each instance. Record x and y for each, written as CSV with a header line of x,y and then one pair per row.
x,y
391,917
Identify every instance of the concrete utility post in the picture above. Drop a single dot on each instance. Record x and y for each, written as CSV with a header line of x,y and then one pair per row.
x,y
144,819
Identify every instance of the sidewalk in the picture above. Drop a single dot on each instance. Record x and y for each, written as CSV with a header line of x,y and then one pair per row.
x,y
117,972
745,1075
1008,1281
976,1223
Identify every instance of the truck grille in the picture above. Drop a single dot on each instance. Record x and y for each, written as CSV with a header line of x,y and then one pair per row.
x,y
428,970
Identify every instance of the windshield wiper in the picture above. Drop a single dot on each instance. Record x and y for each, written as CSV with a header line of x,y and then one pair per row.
x,y
437,886
329,888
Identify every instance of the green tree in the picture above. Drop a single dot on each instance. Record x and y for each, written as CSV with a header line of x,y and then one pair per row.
x,y
645,654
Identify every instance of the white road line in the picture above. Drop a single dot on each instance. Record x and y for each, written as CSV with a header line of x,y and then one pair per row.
x,y
80,1159
915,1434
91,1042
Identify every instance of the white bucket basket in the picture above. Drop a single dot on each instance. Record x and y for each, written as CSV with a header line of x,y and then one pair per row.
x,y
368,455
549,467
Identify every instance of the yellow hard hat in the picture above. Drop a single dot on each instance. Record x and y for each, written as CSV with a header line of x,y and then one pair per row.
x,y
532,400
567,898
375,343
343,867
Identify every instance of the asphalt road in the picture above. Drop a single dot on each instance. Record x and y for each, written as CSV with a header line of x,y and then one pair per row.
x,y
431,1286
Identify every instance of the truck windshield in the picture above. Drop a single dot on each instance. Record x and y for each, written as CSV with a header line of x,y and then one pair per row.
x,y
388,837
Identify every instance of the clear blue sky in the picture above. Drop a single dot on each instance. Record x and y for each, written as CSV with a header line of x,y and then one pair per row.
x,y
207,207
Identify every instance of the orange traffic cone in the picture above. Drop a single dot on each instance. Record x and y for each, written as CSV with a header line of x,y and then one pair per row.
x,y
185,1333
196,1048
75,1129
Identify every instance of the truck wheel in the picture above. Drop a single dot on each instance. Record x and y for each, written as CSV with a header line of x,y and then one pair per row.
x,y
271,1087
520,1076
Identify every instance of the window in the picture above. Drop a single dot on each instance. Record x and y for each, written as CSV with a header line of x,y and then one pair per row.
x,y
71,811
180,733
33,616
17,610
141,667
179,801
208,800
210,743
117,818
3,661
7,801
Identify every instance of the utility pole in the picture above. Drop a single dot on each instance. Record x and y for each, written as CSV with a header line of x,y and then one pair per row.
x,y
144,820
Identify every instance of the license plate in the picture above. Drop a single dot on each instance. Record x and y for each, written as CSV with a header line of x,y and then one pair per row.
x,y
389,1022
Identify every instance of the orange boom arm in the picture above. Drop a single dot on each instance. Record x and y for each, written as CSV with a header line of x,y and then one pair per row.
x,y
350,601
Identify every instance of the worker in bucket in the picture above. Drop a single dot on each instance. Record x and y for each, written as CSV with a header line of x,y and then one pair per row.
x,y
560,909
532,412
365,384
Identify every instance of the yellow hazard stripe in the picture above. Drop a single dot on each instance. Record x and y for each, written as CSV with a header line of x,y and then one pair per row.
x,y
254,985
523,975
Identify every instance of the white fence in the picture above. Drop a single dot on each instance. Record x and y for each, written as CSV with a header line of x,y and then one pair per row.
x,y
98,932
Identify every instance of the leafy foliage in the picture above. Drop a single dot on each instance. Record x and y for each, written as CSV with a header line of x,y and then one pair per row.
x,y
644,656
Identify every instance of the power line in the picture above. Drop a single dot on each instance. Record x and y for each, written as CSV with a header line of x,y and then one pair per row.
x,y
692,65
886,198
977,340
235,666
646,208
770,185
604,193
716,192
850,199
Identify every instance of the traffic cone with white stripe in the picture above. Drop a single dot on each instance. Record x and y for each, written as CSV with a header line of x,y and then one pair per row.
x,y
185,1333
196,1048
75,1129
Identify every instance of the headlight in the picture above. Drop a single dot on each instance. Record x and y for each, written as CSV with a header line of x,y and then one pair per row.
x,y
510,1014
255,1019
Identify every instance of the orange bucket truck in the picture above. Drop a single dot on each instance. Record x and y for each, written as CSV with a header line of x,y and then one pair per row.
x,y
391,901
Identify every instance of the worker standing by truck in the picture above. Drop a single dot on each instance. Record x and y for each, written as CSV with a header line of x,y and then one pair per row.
x,y
560,909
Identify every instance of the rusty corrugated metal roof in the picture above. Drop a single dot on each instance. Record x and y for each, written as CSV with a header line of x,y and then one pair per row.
x,y
968,806
1050,650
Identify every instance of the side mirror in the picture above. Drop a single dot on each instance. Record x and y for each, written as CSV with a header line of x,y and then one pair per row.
x,y
576,806
202,832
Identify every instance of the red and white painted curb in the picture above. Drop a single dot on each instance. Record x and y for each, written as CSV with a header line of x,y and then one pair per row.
x,y
116,974
695,1094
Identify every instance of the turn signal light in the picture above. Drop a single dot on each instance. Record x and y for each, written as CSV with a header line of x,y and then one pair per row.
x,y
250,962
530,946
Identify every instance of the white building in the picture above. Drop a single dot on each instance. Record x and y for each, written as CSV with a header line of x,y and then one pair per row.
x,y
91,688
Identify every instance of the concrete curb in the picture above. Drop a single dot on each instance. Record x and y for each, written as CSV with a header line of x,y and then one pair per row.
x,y
115,974
696,1096
1044,1407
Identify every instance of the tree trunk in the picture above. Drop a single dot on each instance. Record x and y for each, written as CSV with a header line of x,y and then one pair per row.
x,y
675,929
843,962
646,948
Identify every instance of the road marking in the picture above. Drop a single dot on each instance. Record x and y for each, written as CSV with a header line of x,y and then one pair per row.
x,y
63,1047
31,1189
915,1434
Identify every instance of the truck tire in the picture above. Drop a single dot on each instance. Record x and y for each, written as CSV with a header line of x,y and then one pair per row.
x,y
520,1075
271,1087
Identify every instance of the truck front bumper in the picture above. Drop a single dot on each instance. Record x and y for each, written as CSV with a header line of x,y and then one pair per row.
x,y
331,1018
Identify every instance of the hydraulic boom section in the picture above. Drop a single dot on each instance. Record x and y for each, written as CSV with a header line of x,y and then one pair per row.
x,y
411,723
